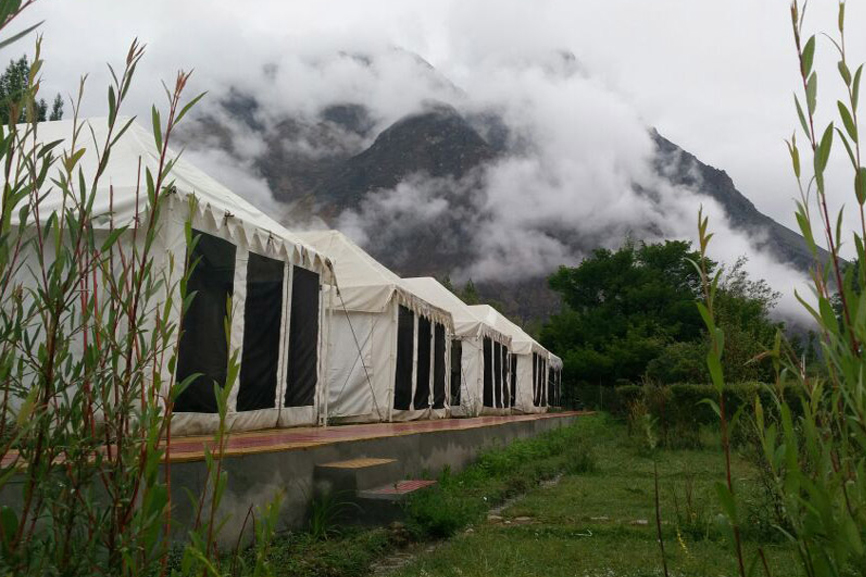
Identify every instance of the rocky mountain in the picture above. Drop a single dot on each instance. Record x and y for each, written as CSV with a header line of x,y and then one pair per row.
x,y
418,185
683,168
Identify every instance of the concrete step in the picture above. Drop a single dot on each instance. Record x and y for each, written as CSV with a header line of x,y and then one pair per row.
x,y
385,504
354,475
396,491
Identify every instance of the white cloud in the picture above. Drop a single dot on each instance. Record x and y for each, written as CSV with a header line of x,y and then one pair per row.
x,y
714,77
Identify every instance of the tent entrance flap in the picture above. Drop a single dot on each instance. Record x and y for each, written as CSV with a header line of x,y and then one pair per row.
x,y
439,366
203,343
405,359
488,372
262,322
422,390
456,371
301,376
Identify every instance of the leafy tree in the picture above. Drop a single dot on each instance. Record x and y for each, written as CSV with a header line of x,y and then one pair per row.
x,y
621,308
742,310
469,294
13,82
630,314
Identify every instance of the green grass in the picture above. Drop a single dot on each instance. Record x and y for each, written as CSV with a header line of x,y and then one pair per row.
x,y
597,520
591,523
349,555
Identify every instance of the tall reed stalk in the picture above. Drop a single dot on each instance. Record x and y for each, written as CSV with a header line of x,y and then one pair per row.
x,y
87,330
817,460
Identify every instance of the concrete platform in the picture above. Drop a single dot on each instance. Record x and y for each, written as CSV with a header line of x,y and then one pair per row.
x,y
357,458
262,464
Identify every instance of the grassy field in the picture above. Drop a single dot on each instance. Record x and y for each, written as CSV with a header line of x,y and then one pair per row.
x,y
578,501
602,523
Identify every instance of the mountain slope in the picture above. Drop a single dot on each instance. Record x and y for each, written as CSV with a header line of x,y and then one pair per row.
x,y
683,168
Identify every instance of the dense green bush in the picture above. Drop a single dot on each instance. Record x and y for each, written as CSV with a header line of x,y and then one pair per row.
x,y
680,411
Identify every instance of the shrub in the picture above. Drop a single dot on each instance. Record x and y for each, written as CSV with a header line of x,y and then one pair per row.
x,y
680,411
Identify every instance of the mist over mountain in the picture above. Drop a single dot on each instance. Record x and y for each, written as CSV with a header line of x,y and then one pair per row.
x,y
534,166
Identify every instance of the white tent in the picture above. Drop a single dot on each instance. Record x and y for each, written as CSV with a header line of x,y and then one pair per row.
x,y
272,278
529,362
389,347
554,388
469,373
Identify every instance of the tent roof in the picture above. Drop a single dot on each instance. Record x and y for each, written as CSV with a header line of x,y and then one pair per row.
x,y
521,343
122,186
365,284
466,322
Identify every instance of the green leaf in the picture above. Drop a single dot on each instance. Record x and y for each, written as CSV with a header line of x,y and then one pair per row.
x,y
851,156
802,116
715,366
847,120
822,155
812,93
795,156
157,127
189,105
70,161
855,88
828,316
808,56
20,35
713,405
122,130
860,184
805,226
26,409
705,314
112,102
844,72
112,238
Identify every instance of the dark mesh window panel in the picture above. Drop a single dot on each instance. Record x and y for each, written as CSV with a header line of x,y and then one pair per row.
x,y
542,385
456,371
439,367
405,359
488,372
506,398
263,311
422,390
203,347
513,380
535,396
497,374
302,373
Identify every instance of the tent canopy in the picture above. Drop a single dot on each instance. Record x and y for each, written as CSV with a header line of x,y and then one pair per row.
x,y
122,187
365,284
467,323
521,343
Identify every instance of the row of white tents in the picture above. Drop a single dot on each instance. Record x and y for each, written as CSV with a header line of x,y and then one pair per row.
x,y
324,332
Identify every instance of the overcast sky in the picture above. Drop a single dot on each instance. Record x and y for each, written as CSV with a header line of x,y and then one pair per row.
x,y
716,77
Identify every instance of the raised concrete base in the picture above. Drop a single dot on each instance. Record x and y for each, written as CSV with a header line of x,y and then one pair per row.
x,y
256,477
